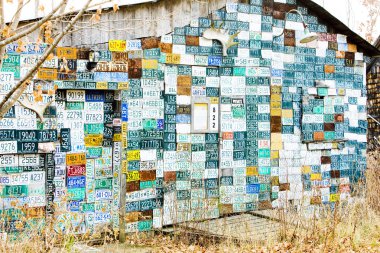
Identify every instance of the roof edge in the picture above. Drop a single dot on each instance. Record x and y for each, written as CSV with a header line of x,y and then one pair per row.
x,y
339,26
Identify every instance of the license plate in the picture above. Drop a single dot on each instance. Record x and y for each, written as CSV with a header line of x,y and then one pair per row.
x,y
5,180
105,183
93,140
94,128
59,182
102,217
76,193
74,115
36,201
52,63
75,159
47,135
87,207
103,194
75,95
29,160
8,147
28,60
27,147
36,189
20,179
37,177
8,123
59,193
76,170
27,135
94,106
15,191
94,152
76,182
7,135
65,140
26,124
8,161
94,117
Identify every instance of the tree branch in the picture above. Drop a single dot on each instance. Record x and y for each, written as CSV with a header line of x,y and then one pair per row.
x,y
32,28
11,98
17,15
2,24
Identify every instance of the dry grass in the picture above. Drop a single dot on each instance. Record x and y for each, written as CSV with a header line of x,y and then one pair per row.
x,y
351,227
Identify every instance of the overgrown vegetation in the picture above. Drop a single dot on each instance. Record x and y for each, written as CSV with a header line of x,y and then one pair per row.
x,y
351,227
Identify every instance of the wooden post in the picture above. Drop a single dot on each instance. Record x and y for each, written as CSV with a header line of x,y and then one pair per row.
x,y
123,190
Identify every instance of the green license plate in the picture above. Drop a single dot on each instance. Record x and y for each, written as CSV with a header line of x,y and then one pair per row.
x,y
94,152
105,183
74,105
15,191
76,193
96,128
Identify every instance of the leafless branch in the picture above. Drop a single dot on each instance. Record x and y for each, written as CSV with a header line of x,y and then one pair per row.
x,y
13,95
32,28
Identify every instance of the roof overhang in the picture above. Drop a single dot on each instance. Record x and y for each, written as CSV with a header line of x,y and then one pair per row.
x,y
340,27
31,11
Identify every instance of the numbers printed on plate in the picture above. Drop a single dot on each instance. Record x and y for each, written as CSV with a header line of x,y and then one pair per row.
x,y
8,147
103,194
37,177
29,160
8,161
75,95
76,182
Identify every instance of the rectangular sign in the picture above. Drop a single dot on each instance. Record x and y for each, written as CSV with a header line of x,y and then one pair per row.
x,y
76,182
75,95
8,147
75,159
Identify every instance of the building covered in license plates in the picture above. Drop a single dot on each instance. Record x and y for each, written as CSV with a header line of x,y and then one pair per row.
x,y
230,113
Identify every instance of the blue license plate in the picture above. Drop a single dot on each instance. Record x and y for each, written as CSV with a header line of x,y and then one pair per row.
x,y
76,182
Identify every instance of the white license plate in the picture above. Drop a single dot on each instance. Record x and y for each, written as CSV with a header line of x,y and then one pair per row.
x,y
6,77
59,181
29,160
103,194
94,117
36,201
19,179
94,106
8,161
53,63
59,193
26,124
102,218
74,115
8,147
28,60
8,123
37,177
75,95
36,189
5,180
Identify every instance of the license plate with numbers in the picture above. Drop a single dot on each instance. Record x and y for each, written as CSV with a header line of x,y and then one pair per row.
x,y
8,147
29,160
103,194
37,177
8,160
75,95
76,182
20,179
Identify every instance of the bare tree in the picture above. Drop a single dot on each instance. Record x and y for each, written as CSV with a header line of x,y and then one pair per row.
x,y
368,27
10,33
